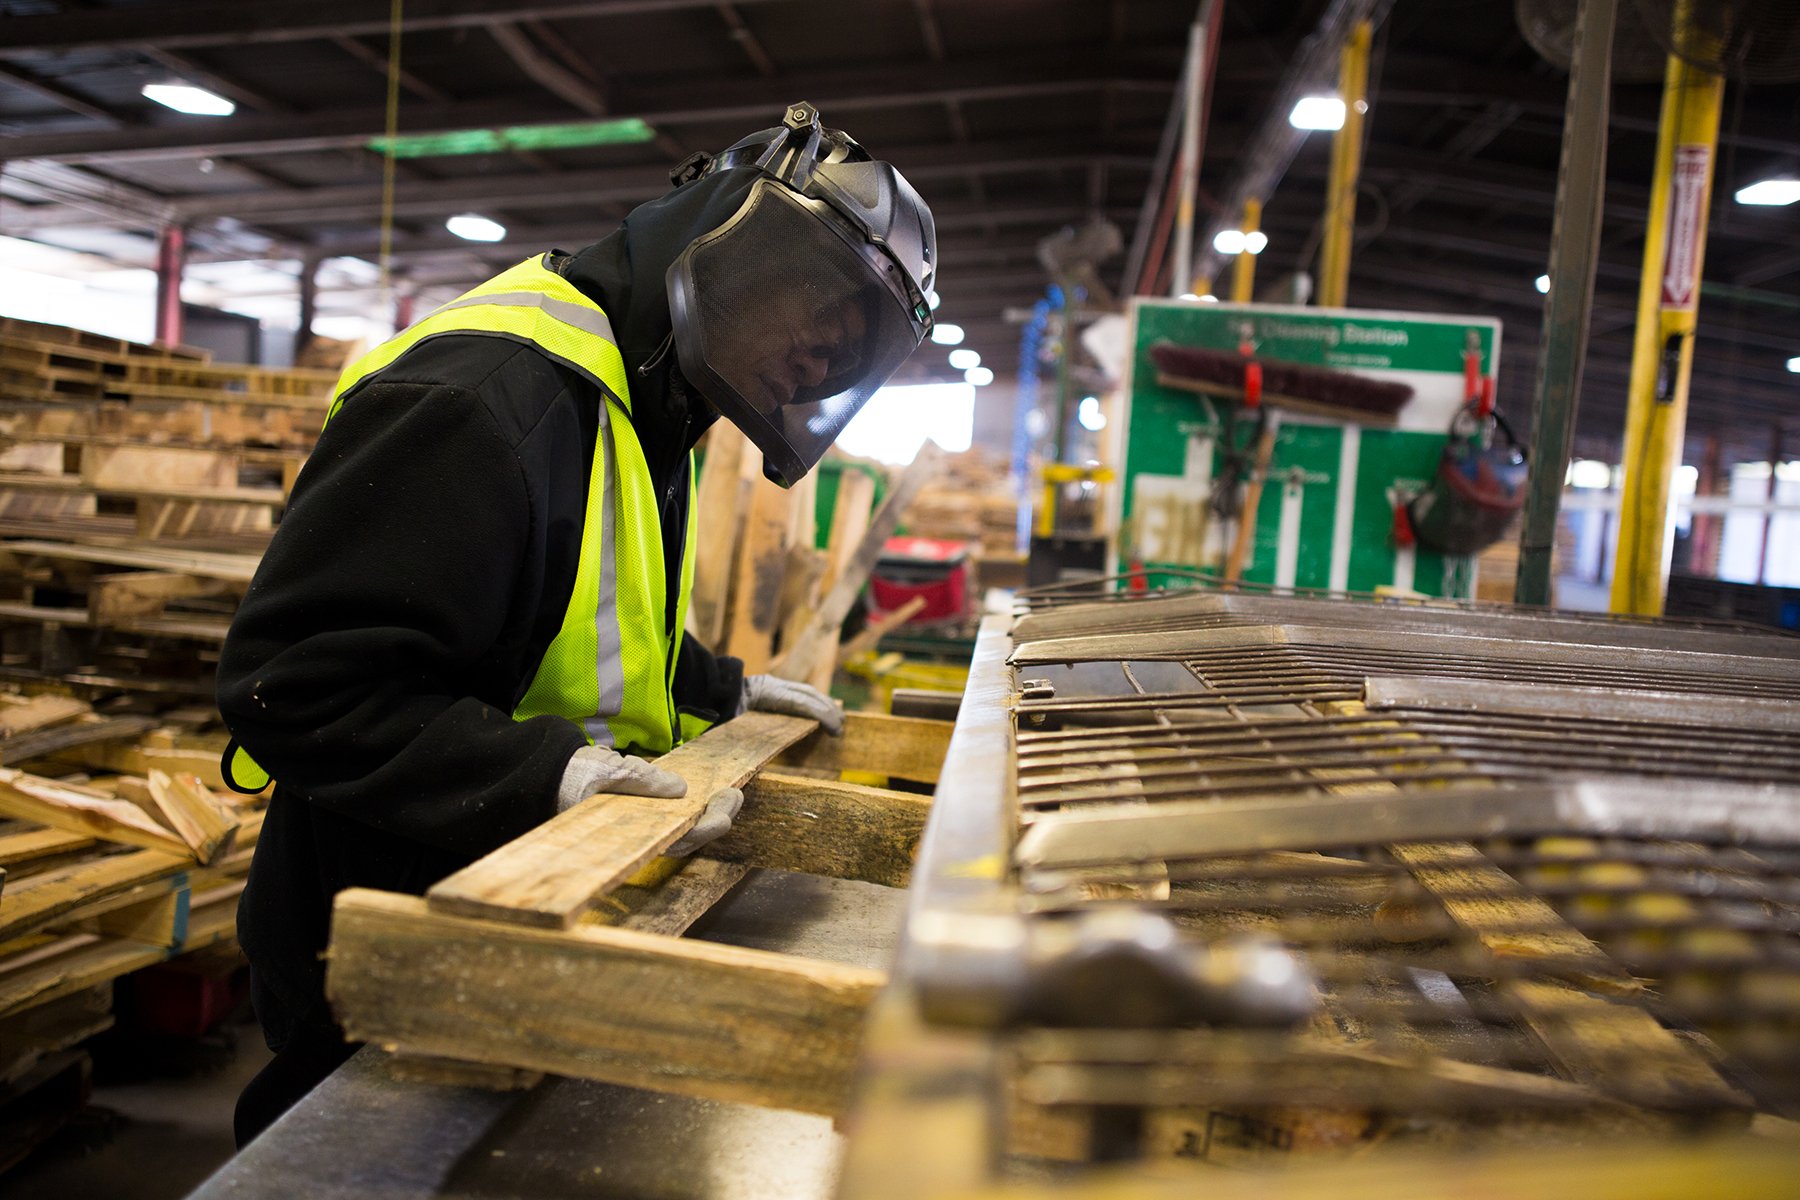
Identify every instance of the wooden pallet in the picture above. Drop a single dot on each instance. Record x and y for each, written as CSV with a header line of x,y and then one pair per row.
x,y
558,953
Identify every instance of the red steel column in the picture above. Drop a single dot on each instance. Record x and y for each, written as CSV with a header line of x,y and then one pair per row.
x,y
171,257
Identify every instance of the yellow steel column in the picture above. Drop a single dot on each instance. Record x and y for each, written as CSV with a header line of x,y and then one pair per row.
x,y
1243,276
1663,354
1346,164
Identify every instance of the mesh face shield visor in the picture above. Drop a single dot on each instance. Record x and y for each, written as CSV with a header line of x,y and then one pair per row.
x,y
788,320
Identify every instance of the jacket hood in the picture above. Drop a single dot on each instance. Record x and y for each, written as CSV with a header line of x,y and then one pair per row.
x,y
625,273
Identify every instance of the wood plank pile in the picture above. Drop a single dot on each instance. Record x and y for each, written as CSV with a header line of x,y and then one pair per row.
x,y
971,501
139,486
561,952
762,591
119,849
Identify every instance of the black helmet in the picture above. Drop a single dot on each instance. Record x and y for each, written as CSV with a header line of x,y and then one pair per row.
x,y
790,314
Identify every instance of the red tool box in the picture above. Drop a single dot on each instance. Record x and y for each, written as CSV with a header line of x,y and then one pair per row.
x,y
933,568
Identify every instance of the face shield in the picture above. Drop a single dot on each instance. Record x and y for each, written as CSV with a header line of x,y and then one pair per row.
x,y
788,319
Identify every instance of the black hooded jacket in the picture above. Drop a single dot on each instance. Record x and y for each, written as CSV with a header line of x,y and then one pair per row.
x,y
425,562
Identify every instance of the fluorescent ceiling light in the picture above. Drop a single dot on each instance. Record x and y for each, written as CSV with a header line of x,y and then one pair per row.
x,y
931,298
1794,365
1317,112
186,98
565,136
947,335
1089,414
1236,241
965,358
1770,191
1589,473
475,228
979,376
1543,284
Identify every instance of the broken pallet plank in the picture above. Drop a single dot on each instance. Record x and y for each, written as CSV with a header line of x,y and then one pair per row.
x,y
204,822
645,1010
823,827
60,806
549,875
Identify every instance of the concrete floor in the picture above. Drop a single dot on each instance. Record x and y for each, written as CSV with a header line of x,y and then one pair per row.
x,y
158,1124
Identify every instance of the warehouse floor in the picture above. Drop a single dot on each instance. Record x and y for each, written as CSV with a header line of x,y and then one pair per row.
x,y
158,1124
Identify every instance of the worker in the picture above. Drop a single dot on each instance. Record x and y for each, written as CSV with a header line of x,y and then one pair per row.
x,y
471,617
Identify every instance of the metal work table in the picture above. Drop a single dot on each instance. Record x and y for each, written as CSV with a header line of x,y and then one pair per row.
x,y
365,1134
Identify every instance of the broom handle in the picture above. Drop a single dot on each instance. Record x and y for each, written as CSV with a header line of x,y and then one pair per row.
x,y
1246,528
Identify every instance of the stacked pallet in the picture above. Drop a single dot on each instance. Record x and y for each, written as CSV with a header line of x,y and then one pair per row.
x,y
119,851
139,486
95,426
762,591
971,502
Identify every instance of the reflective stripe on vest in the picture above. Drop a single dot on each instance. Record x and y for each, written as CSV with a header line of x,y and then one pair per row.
x,y
610,668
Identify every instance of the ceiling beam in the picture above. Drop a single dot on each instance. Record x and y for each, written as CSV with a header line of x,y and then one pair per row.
x,y
730,100
234,22
36,85
552,76
538,190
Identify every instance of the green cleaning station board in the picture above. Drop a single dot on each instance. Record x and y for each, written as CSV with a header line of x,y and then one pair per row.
x,y
1326,516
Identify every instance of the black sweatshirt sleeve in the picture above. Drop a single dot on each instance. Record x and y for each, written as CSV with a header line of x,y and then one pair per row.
x,y
708,683
354,668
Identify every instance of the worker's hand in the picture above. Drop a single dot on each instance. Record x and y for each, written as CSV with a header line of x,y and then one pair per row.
x,y
595,769
766,693
713,824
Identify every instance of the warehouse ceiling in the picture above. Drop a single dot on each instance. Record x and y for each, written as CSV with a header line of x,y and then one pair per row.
x,y
1015,118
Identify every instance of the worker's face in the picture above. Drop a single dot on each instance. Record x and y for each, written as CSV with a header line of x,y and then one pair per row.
x,y
806,343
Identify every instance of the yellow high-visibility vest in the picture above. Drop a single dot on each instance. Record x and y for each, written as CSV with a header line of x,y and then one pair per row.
x,y
610,668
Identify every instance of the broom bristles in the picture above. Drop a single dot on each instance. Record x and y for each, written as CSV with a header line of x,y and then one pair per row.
x,y
1317,385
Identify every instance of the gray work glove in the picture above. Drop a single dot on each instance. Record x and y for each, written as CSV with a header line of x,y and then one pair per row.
x,y
713,824
595,769
766,693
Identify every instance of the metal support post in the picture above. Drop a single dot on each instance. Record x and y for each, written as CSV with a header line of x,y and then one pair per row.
x,y
403,310
1663,354
1346,165
1203,44
309,304
1574,254
1243,275
171,257
1762,555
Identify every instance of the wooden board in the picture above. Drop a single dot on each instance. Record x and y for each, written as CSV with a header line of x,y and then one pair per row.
x,y
911,748
762,554
39,743
822,827
668,901
719,505
1593,1041
814,654
30,844
238,568
59,806
36,712
44,897
697,1019
548,876
204,822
